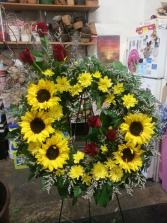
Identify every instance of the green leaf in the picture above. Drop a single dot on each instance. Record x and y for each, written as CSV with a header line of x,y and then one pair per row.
x,y
100,102
77,191
15,209
117,65
44,41
31,175
37,55
11,135
101,196
95,219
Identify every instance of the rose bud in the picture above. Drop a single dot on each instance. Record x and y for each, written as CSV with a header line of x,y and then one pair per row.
x,y
42,29
111,135
59,52
27,57
91,149
94,122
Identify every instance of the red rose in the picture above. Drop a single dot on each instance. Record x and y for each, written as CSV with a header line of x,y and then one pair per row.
x,y
27,57
91,149
59,52
111,135
94,122
42,29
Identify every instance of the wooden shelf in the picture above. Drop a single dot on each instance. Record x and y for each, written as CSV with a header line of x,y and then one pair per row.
x,y
43,7
52,43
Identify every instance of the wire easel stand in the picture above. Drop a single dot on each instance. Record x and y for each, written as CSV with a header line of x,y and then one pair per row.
x,y
120,208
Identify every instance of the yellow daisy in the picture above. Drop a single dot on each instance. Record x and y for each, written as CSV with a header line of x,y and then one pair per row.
x,y
118,89
129,101
85,79
115,174
99,171
104,84
128,157
109,163
76,171
33,147
110,99
56,112
41,95
36,126
48,72
54,154
97,74
75,90
86,179
62,84
78,156
104,149
137,128
59,172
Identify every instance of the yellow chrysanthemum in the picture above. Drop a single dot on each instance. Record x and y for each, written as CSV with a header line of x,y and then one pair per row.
x,y
76,171
62,84
110,127
97,74
110,163
33,147
128,157
48,72
36,126
99,171
137,128
56,112
75,90
78,156
115,174
110,99
129,101
59,172
104,84
86,179
85,79
41,95
118,89
54,154
104,149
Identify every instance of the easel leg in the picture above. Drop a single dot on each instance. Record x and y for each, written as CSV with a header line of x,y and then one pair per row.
x,y
61,210
120,208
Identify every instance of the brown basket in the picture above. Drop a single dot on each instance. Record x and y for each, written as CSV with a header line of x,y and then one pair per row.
x,y
78,25
66,19
70,2
85,38
92,28
86,30
60,2
92,3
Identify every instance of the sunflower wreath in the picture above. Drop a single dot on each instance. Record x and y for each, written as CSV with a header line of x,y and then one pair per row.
x,y
122,144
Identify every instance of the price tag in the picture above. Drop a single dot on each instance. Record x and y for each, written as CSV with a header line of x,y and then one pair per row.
x,y
145,29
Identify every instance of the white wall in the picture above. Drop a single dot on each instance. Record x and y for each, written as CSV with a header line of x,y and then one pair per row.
x,y
118,17
150,8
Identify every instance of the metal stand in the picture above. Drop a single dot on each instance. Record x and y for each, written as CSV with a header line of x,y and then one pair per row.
x,y
89,212
61,209
120,208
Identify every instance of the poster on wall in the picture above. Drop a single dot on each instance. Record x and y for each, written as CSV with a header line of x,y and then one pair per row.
x,y
108,48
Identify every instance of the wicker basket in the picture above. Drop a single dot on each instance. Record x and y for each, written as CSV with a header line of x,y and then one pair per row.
x,y
92,28
92,3
86,30
66,19
70,2
60,2
78,25
65,37
85,38
81,18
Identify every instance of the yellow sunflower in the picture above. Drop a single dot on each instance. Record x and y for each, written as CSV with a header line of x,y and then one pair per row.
x,y
110,99
115,174
41,95
128,157
56,112
137,128
86,179
104,84
48,72
85,79
54,154
99,171
75,90
62,84
33,147
118,89
36,126
97,74
129,101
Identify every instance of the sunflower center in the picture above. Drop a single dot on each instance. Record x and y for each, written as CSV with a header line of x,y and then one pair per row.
x,y
127,155
136,128
37,125
43,95
52,152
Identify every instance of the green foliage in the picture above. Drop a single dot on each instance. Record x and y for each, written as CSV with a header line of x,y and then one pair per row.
x,y
117,65
37,55
101,196
11,135
100,102
77,191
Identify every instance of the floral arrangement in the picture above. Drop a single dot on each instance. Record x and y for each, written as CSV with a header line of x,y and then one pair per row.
x,y
123,141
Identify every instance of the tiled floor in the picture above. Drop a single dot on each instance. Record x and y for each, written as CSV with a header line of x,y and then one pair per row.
x,y
35,205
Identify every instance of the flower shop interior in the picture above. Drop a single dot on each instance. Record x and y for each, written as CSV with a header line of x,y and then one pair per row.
x,y
83,111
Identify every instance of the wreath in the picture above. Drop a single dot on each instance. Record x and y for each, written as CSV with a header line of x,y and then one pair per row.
x,y
122,144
